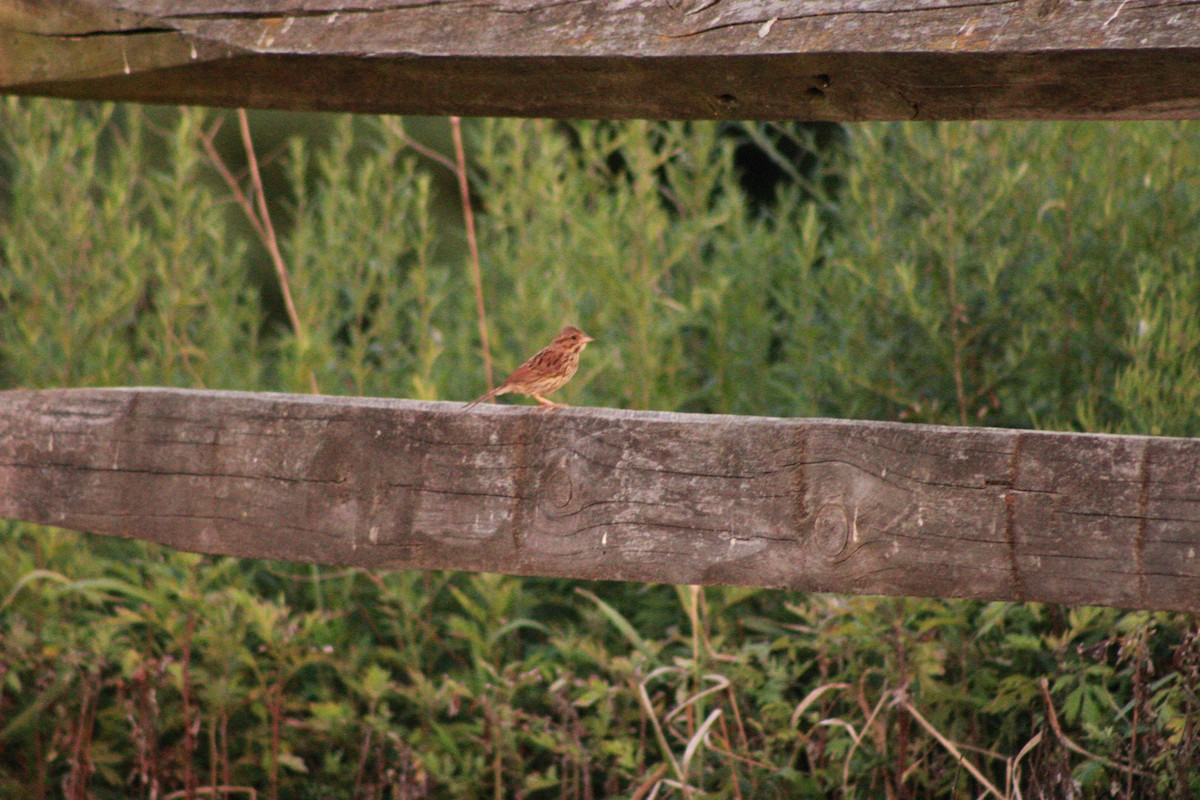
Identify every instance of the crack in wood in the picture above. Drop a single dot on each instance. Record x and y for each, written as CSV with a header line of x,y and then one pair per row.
x,y
308,13
884,474
97,33
528,8
171,473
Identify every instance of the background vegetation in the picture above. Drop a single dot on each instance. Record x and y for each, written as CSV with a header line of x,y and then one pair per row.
x,y
1037,275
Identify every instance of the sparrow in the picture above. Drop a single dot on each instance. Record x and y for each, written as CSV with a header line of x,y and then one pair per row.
x,y
547,371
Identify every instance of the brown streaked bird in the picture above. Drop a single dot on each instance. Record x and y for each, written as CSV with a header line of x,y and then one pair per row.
x,y
549,370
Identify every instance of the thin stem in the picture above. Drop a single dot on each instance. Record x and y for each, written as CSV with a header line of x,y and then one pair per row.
x,y
459,168
218,163
269,238
951,748
476,273
260,219
433,155
190,781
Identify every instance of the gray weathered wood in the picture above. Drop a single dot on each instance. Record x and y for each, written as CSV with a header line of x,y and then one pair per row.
x,y
814,504
684,59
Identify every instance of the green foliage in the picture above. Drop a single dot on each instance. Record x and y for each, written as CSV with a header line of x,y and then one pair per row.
x,y
982,273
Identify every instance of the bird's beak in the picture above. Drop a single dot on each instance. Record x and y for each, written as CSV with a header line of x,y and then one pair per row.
x,y
587,339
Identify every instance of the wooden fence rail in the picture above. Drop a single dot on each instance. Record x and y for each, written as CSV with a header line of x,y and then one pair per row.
x,y
813,504
656,59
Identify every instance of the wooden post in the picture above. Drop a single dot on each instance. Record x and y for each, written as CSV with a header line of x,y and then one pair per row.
x,y
812,504
693,59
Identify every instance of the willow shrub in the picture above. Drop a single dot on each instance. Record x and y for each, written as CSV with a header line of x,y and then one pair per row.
x,y
1005,274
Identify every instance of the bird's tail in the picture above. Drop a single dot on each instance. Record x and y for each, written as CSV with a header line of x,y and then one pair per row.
x,y
501,389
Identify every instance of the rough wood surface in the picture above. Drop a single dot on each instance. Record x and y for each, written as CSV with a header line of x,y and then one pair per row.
x,y
683,59
814,504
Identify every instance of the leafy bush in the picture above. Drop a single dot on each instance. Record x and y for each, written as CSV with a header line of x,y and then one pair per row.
x,y
1003,274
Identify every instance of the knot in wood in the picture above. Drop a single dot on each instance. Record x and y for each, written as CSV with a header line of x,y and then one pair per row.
x,y
831,530
557,487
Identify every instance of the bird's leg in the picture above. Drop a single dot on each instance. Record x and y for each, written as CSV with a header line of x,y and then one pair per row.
x,y
547,405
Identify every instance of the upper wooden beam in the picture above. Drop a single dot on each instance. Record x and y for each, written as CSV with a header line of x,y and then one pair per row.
x,y
656,59
813,504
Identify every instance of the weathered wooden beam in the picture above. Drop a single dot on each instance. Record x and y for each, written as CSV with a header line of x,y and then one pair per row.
x,y
657,59
813,504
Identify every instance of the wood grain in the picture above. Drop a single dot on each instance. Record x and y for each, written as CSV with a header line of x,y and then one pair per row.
x,y
656,59
812,504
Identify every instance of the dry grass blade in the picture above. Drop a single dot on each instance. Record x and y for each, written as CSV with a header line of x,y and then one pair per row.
x,y
1066,741
1013,771
951,748
859,737
721,684
648,707
811,698
835,722
694,743
647,787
